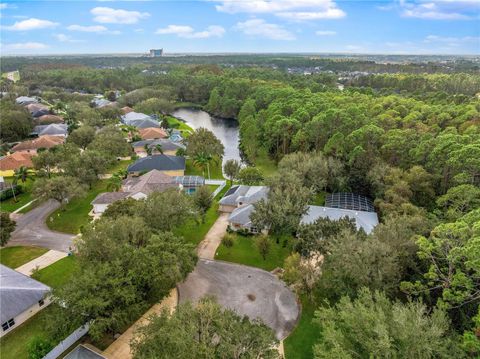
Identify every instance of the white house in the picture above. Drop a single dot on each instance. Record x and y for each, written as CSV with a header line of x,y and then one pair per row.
x,y
21,297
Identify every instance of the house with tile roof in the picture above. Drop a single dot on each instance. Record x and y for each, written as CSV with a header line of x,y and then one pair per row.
x,y
32,146
48,119
152,133
9,163
37,109
21,297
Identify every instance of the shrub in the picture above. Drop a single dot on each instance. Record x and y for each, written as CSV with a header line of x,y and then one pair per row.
x,y
38,347
228,240
8,193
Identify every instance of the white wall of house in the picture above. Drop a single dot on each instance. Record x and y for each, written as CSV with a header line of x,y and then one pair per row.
x,y
27,314
99,208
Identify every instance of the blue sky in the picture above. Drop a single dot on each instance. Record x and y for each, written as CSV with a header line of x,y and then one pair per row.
x,y
396,27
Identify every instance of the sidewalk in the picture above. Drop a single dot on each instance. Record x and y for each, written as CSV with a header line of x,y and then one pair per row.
x,y
120,348
41,262
207,248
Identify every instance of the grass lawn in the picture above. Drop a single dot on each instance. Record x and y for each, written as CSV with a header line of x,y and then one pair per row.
x,y
319,199
14,257
10,205
75,214
14,345
300,342
215,170
245,252
58,273
194,232
266,165
120,165
178,124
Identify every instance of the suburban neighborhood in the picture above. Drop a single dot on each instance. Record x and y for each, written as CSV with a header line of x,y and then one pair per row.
x,y
242,199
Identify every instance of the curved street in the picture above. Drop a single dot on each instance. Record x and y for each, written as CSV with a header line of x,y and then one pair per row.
x,y
31,230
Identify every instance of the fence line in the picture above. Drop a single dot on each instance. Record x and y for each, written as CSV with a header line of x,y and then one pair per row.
x,y
67,342
220,183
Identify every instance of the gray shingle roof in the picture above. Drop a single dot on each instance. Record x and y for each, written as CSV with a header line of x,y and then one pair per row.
x,y
25,100
167,145
158,162
52,129
18,293
365,220
134,116
241,215
244,194
109,197
82,352
145,123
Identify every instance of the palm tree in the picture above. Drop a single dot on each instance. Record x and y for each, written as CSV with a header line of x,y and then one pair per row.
x,y
114,183
148,149
22,174
159,148
202,160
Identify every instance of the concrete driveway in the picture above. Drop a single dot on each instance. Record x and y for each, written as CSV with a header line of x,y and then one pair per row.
x,y
31,230
249,291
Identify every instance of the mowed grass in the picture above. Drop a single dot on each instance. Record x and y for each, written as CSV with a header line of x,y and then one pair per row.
x,y
244,251
75,214
119,165
215,170
58,273
300,342
266,165
15,344
14,257
12,204
194,231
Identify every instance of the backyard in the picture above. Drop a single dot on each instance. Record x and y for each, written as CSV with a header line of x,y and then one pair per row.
x,y
75,214
215,170
14,257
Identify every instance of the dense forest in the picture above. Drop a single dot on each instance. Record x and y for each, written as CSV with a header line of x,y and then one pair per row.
x,y
409,139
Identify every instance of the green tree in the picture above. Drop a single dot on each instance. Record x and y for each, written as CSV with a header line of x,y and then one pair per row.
x,y
250,176
21,174
203,331
82,136
459,200
204,141
232,168
202,198
203,160
125,207
45,162
263,245
110,141
373,326
60,188
6,228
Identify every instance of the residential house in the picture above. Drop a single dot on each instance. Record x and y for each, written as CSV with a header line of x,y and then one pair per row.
x,y
54,129
137,187
48,119
167,146
139,120
152,133
363,219
9,163
83,351
126,110
170,165
25,100
239,201
21,297
240,195
42,142
37,109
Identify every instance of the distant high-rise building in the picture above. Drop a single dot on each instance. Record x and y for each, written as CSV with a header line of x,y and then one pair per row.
x,y
156,52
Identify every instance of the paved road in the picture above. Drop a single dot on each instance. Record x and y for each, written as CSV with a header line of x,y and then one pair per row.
x,y
31,230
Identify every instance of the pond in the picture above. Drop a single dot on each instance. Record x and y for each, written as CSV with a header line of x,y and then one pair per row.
x,y
226,130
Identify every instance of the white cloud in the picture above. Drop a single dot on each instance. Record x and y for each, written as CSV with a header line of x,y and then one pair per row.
x,y
108,15
66,38
189,33
259,27
439,9
291,9
451,39
93,28
25,46
31,24
325,33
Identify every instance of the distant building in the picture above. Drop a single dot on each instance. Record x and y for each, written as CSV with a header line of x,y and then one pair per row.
x,y
156,52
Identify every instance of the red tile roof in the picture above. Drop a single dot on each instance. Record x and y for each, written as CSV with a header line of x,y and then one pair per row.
x,y
46,141
15,161
151,133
